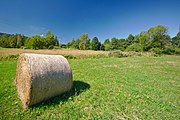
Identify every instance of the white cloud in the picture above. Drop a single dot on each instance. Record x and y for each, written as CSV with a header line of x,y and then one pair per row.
x,y
42,35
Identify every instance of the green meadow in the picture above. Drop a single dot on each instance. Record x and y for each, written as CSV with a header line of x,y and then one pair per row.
x,y
105,88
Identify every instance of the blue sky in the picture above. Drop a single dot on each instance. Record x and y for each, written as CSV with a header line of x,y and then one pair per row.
x,y
101,18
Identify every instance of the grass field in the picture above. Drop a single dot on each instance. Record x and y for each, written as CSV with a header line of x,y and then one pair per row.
x,y
105,88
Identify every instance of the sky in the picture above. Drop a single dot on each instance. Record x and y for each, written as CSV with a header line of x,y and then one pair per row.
x,y
99,18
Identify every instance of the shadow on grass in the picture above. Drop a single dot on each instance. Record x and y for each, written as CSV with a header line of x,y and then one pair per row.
x,y
78,87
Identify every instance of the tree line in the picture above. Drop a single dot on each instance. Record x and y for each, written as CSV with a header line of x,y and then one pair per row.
x,y
155,39
12,40
34,42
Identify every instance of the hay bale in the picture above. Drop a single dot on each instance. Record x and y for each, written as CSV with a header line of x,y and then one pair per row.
x,y
40,77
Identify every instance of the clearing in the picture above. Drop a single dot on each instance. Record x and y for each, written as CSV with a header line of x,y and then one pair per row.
x,y
104,88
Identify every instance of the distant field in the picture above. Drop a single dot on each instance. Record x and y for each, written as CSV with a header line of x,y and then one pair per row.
x,y
74,52
107,88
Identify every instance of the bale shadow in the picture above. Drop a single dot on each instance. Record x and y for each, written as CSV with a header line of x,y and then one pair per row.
x,y
78,87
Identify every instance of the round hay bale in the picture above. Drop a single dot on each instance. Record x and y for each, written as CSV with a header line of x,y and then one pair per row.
x,y
40,77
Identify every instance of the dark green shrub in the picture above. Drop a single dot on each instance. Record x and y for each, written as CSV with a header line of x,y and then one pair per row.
x,y
51,47
10,57
69,57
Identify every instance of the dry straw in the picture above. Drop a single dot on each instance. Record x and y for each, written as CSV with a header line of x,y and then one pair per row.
x,y
40,77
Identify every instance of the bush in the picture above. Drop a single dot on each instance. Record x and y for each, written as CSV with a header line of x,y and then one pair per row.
x,y
51,47
156,50
119,54
107,47
116,54
168,50
177,51
135,47
70,57
10,57
56,47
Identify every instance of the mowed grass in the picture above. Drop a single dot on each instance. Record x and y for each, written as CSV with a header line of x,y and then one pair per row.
x,y
106,88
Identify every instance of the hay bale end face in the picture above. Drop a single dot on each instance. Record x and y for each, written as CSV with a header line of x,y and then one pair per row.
x,y
40,77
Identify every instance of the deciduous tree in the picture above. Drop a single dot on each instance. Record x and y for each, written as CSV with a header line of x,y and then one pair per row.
x,y
95,44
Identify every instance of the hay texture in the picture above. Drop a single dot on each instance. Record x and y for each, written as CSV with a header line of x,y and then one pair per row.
x,y
40,77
